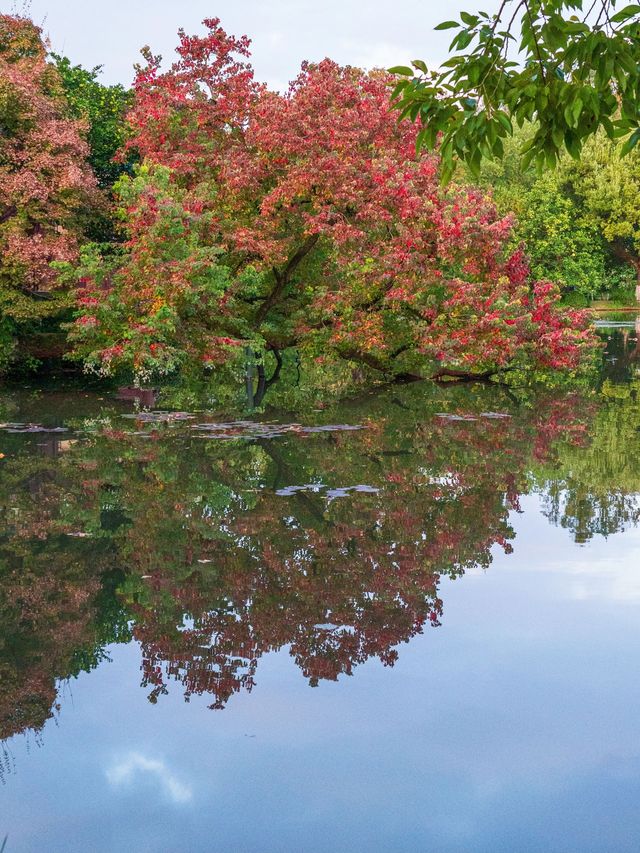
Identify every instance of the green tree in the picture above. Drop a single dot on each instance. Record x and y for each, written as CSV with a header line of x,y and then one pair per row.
x,y
562,244
104,108
609,187
564,232
571,67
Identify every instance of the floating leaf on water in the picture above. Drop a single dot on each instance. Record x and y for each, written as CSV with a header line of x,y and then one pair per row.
x,y
251,430
337,492
449,417
158,416
331,428
307,487
31,428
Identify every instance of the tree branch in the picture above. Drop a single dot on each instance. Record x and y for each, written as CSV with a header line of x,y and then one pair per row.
x,y
466,375
535,41
282,277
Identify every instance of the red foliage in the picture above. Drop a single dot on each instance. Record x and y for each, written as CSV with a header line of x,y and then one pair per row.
x,y
44,177
359,251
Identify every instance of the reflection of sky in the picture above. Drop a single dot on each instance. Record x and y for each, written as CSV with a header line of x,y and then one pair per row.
x,y
513,728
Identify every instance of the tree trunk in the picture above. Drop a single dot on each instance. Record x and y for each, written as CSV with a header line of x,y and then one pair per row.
x,y
249,365
620,250
256,398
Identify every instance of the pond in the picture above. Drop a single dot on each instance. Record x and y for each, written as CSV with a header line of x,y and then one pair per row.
x,y
407,622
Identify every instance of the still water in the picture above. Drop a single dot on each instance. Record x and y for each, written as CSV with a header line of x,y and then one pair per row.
x,y
409,622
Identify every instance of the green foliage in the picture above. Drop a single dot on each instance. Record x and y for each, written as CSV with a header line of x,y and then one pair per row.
x,y
104,109
570,218
609,187
570,67
563,245
7,343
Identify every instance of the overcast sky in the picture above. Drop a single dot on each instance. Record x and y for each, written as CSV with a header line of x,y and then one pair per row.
x,y
284,32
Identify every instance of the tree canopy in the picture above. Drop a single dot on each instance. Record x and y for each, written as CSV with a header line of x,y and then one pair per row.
x,y
563,221
46,183
304,220
609,188
104,109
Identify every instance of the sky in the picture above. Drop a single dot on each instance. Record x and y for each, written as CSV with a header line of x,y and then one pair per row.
x,y
366,33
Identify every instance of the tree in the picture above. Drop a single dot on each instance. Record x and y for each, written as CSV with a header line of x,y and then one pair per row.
x,y
566,226
571,67
562,243
104,109
595,490
331,234
609,187
45,181
57,607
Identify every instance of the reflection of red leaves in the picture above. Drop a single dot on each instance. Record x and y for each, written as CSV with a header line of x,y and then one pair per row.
x,y
337,582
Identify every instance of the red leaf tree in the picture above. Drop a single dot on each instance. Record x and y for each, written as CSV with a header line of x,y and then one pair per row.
x,y
307,220
45,181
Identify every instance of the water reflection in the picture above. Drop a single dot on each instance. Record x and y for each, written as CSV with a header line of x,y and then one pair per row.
x,y
212,543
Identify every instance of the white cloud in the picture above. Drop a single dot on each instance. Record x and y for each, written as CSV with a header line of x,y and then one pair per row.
x,y
598,570
606,579
122,774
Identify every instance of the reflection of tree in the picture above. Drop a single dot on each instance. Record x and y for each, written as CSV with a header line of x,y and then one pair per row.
x,y
622,356
236,548
221,551
597,488
54,604
225,550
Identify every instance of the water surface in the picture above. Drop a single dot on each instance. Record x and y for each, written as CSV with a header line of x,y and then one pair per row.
x,y
408,622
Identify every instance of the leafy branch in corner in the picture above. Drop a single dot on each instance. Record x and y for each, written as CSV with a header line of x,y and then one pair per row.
x,y
567,67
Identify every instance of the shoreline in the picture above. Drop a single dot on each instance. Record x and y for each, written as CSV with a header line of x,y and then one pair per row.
x,y
626,310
